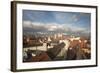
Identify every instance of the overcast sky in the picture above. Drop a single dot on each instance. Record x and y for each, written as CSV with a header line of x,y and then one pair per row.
x,y
53,20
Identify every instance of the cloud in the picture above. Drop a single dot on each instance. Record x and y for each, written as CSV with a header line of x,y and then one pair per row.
x,y
37,25
46,27
26,23
75,18
66,18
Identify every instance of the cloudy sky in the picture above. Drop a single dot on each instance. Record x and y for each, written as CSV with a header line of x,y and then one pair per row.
x,y
57,21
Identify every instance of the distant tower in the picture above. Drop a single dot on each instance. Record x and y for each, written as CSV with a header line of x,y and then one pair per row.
x,y
49,39
55,36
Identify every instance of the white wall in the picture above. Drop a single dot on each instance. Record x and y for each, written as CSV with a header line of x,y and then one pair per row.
x,y
5,37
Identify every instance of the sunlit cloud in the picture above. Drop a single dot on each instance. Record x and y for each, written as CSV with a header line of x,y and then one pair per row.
x,y
53,27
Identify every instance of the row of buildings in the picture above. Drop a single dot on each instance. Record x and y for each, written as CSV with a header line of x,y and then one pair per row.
x,y
57,46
